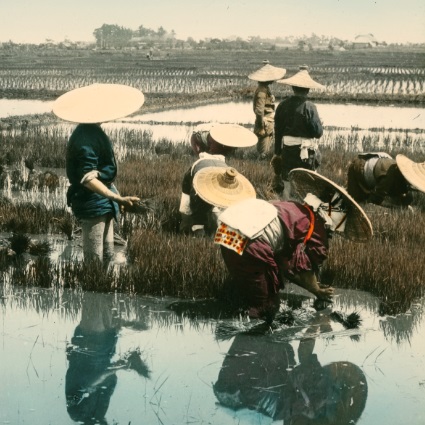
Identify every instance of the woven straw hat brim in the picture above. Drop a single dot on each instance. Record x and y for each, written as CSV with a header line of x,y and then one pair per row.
x,y
413,172
358,227
233,135
210,186
302,79
98,103
267,73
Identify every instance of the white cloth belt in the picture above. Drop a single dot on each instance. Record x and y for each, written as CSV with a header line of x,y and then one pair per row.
x,y
305,144
185,204
369,176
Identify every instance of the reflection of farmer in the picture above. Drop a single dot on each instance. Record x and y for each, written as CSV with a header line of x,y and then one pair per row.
x,y
259,373
90,162
211,145
261,241
264,106
379,179
297,127
91,376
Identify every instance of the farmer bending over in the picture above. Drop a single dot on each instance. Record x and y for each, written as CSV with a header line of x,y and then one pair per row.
x,y
379,179
263,242
212,144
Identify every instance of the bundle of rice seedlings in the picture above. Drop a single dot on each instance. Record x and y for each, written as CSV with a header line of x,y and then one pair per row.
x,y
132,360
226,330
40,248
351,321
19,243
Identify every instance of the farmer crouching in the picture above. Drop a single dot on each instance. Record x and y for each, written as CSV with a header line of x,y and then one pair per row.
x,y
377,178
212,145
264,242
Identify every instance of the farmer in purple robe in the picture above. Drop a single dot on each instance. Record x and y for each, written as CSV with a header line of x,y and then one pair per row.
x,y
262,243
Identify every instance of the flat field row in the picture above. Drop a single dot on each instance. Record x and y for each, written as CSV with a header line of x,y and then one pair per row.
x,y
368,76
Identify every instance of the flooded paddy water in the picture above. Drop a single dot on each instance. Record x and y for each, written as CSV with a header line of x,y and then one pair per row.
x,y
70,357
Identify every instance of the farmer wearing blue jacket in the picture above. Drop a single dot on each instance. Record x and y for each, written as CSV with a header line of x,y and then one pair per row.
x,y
90,162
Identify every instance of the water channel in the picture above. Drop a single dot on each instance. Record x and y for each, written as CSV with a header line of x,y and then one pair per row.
x,y
68,357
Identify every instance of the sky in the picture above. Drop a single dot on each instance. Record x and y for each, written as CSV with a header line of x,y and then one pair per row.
x,y
392,21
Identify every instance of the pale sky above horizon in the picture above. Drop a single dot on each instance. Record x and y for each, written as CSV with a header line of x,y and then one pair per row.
x,y
393,21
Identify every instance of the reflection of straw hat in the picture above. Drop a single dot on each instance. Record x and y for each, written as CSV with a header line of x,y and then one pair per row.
x,y
346,394
233,135
358,226
302,79
98,103
222,187
267,73
413,172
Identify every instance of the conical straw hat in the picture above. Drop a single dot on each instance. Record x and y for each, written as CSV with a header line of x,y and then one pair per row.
x,y
98,103
302,79
222,187
358,227
233,135
413,172
267,73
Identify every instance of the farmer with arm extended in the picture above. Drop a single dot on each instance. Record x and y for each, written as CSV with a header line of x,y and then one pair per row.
x,y
90,161
264,242
377,178
264,105
212,145
297,127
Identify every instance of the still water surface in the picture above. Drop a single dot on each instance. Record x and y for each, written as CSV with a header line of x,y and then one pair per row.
x,y
68,357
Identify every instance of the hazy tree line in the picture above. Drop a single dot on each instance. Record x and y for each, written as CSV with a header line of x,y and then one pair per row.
x,y
112,36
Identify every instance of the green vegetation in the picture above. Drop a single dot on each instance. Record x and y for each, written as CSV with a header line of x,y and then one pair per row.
x,y
162,262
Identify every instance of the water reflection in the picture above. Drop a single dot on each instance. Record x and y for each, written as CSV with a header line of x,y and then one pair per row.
x,y
333,115
121,358
91,376
261,374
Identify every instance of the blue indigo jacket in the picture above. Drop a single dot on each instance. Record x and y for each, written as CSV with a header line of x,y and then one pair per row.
x,y
89,149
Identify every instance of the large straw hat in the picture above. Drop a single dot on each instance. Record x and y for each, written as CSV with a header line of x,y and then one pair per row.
x,y
413,172
267,73
222,187
358,226
98,103
233,135
302,79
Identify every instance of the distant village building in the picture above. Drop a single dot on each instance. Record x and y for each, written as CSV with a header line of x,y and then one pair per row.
x,y
365,41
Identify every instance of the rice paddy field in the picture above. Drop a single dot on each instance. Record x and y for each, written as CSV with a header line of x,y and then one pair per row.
x,y
174,331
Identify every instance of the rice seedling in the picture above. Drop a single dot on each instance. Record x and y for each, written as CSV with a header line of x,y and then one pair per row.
x,y
42,248
19,243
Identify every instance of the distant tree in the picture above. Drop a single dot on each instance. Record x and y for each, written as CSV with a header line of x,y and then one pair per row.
x,y
108,36
145,32
191,42
161,32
